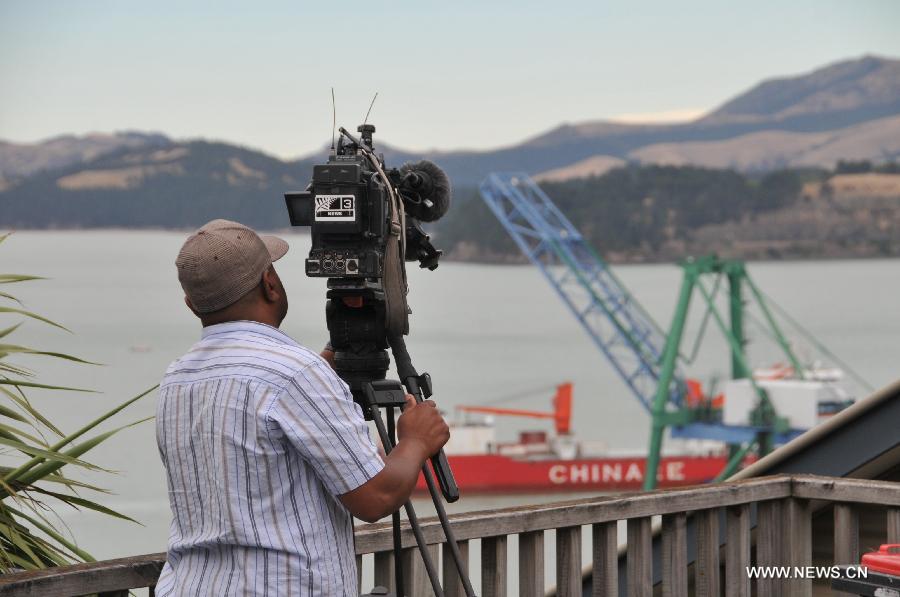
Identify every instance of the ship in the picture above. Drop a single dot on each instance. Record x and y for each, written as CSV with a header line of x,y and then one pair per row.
x,y
544,462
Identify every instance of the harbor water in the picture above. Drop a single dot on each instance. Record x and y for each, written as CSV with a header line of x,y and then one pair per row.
x,y
483,332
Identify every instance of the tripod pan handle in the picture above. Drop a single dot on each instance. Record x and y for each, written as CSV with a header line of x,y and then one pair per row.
x,y
445,477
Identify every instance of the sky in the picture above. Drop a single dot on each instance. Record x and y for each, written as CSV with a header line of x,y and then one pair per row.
x,y
449,75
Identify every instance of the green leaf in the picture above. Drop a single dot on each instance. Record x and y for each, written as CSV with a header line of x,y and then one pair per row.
x,y
4,428
51,532
71,483
30,384
10,297
11,414
72,437
26,406
50,465
15,370
13,278
17,538
75,501
13,348
9,330
45,454
33,316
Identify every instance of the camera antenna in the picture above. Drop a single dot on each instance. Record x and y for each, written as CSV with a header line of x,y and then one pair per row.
x,y
370,108
333,120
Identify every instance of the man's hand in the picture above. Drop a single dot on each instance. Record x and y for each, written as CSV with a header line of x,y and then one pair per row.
x,y
421,432
423,423
328,354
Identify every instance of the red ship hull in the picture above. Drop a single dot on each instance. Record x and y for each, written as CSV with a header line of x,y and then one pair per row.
x,y
494,473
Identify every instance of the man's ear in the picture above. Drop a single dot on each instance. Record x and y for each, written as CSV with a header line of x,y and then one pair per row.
x,y
271,285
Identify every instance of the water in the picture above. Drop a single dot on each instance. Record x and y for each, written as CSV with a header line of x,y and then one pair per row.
x,y
482,331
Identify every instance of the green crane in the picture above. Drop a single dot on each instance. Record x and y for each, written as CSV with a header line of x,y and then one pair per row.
x,y
648,359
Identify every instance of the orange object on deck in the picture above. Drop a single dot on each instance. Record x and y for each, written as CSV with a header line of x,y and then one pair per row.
x,y
561,415
695,395
696,398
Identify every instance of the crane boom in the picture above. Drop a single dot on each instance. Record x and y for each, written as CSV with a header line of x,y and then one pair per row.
x,y
614,320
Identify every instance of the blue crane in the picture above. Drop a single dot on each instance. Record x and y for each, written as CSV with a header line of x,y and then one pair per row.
x,y
615,321
645,357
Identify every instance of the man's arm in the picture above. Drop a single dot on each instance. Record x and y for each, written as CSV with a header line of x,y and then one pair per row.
x,y
421,432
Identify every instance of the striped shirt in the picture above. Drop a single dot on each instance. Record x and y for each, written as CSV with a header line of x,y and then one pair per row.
x,y
259,437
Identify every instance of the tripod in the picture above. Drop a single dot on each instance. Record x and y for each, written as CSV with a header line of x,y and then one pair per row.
x,y
363,364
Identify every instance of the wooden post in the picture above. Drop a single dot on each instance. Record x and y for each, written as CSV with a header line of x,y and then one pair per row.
x,y
768,545
493,566
798,532
359,574
415,578
384,570
706,568
568,562
605,577
531,564
453,586
639,558
674,555
846,534
737,551
893,525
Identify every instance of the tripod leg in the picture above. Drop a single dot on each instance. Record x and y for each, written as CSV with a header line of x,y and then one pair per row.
x,y
395,520
448,532
423,549
442,516
430,569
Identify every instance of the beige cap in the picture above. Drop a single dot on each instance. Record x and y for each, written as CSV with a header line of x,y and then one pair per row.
x,y
223,261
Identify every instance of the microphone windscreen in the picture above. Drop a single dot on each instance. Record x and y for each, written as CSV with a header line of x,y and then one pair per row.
x,y
435,188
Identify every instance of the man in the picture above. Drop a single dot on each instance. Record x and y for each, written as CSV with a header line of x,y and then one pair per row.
x,y
266,454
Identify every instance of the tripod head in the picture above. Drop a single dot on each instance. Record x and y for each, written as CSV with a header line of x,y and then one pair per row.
x,y
360,343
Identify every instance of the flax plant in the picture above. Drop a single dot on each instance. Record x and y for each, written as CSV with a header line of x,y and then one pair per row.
x,y
35,454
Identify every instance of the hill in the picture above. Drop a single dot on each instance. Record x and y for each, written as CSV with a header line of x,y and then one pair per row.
x,y
877,140
845,93
849,110
665,213
20,160
178,185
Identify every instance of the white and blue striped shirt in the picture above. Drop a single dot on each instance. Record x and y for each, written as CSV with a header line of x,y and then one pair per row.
x,y
259,437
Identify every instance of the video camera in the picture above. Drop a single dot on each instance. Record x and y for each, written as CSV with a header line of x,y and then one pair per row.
x,y
350,205
365,222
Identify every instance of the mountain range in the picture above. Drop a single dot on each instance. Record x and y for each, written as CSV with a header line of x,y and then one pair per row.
x,y
845,111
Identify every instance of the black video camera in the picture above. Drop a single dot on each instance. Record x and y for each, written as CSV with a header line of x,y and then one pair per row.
x,y
353,207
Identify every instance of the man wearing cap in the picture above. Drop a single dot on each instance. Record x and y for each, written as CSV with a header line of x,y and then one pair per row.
x,y
266,454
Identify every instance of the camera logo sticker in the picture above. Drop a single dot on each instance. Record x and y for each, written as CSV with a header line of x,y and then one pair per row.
x,y
335,208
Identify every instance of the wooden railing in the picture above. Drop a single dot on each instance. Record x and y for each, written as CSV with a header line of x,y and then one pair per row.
x,y
723,515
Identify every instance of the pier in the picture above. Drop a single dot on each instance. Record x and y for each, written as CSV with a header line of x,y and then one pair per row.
x,y
757,522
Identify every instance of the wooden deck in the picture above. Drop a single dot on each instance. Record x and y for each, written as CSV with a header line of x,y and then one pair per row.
x,y
726,543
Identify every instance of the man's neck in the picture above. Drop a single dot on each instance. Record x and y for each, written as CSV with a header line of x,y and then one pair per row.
x,y
270,321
